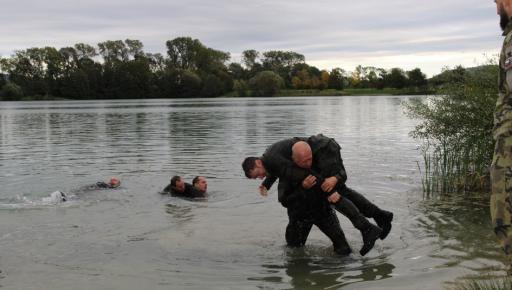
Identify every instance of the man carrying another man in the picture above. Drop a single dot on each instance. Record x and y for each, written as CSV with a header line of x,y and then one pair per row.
x,y
313,166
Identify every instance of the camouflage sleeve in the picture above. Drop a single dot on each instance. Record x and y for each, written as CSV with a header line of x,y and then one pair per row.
x,y
503,111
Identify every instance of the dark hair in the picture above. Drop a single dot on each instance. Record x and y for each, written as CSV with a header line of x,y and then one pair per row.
x,y
195,180
175,179
248,165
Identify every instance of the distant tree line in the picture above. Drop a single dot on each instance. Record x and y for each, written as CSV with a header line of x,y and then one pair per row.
x,y
122,69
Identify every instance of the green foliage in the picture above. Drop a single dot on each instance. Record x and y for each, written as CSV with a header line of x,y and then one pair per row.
x,y
456,127
212,86
241,88
122,69
190,85
337,79
416,78
10,92
396,78
266,84
249,58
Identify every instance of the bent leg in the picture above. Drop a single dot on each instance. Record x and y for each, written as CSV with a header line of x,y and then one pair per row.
x,y
348,209
368,209
369,231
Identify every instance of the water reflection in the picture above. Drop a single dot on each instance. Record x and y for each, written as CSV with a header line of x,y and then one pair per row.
x,y
179,212
309,272
460,226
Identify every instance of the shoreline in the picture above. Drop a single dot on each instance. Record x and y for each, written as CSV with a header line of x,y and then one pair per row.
x,y
282,93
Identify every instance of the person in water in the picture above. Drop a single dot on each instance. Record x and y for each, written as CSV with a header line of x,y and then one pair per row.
x,y
114,182
316,162
178,187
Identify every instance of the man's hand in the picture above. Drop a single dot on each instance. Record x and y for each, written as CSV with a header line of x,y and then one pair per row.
x,y
329,184
309,182
334,198
263,190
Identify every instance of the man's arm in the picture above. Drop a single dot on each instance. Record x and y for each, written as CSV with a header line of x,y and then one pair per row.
x,y
282,167
287,195
269,181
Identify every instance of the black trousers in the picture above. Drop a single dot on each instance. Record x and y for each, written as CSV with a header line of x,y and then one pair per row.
x,y
298,228
366,207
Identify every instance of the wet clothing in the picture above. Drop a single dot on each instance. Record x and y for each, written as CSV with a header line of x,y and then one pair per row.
x,y
189,191
277,160
307,209
501,167
327,162
96,186
101,184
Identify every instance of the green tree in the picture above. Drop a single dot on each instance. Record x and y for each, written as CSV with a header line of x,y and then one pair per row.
x,y
396,78
190,85
212,86
416,78
237,71
11,92
182,52
250,58
241,88
85,51
135,48
266,84
337,79
113,52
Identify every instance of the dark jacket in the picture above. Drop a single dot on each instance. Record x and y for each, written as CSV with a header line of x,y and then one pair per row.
x,y
301,203
189,191
327,162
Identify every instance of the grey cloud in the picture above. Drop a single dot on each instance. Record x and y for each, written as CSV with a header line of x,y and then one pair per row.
x,y
317,29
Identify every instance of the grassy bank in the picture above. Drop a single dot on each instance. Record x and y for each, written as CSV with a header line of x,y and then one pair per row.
x,y
354,92
285,93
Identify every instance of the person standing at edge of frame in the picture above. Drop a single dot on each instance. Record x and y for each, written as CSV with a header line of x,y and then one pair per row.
x,y
501,168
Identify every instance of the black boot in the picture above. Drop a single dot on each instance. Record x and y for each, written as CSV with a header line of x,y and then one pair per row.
x,y
370,234
369,231
383,219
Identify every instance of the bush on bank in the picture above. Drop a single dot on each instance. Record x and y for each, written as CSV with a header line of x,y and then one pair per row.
x,y
456,130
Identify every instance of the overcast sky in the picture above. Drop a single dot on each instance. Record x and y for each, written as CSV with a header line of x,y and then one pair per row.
x,y
330,33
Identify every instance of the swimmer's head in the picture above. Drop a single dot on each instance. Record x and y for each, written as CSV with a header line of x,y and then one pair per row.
x,y
177,183
114,182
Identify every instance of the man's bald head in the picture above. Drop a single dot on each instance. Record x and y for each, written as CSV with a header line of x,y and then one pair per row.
x,y
302,155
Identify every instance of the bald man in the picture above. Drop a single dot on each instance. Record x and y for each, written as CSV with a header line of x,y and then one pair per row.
x,y
315,164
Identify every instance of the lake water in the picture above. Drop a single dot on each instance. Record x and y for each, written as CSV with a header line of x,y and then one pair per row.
x,y
134,238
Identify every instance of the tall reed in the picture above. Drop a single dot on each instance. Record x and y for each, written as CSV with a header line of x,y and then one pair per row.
x,y
456,130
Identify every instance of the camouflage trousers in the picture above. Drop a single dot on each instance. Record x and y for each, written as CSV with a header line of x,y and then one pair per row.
x,y
501,198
